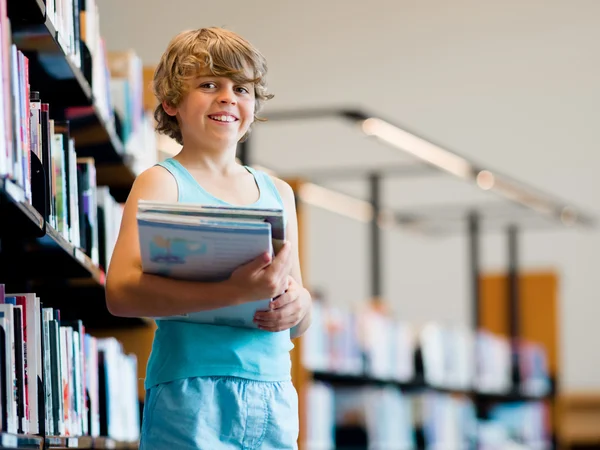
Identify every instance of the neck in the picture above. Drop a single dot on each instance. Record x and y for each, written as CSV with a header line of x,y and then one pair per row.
x,y
218,160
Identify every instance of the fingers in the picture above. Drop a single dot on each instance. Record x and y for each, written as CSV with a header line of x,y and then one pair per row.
x,y
288,297
277,326
259,263
280,319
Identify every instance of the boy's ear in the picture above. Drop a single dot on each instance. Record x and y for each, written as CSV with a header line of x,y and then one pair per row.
x,y
169,109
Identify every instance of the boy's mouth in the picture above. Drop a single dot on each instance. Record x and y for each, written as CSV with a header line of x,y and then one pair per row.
x,y
223,118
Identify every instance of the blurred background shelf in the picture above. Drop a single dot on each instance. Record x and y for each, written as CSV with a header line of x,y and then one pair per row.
x,y
87,442
419,385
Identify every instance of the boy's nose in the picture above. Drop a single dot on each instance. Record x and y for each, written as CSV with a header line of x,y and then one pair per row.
x,y
227,98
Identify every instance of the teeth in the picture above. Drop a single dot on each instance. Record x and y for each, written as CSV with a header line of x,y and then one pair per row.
x,y
223,118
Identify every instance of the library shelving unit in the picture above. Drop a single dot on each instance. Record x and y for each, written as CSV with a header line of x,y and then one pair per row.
x,y
521,208
34,255
64,86
64,271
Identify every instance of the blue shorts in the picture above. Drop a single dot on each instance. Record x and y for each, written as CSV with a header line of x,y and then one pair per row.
x,y
220,413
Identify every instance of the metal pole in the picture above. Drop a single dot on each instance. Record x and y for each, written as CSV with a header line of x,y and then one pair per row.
x,y
474,221
474,266
375,188
514,325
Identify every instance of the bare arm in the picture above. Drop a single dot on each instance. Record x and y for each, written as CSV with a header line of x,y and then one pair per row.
x,y
132,293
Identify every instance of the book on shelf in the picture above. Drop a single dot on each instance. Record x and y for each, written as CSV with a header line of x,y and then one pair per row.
x,y
384,413
358,343
369,417
387,417
90,383
526,423
320,416
66,193
126,91
207,243
68,197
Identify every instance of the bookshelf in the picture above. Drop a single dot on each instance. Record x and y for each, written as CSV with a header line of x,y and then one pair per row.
x,y
15,441
58,270
65,164
419,385
66,86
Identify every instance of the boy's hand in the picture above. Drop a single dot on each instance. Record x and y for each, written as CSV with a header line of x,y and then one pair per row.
x,y
287,310
263,277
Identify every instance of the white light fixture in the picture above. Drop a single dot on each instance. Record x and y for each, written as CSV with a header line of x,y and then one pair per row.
x,y
442,159
519,195
336,202
568,216
486,180
333,201
422,149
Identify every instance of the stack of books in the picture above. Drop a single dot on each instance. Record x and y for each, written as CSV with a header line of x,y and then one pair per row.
x,y
207,243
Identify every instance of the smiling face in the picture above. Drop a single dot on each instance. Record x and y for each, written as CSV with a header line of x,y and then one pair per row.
x,y
216,111
209,72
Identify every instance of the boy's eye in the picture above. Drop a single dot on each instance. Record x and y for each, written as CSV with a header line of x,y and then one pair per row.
x,y
243,90
208,85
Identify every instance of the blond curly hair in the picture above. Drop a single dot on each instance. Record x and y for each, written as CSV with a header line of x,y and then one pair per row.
x,y
220,52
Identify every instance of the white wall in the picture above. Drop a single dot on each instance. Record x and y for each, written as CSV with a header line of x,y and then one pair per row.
x,y
513,84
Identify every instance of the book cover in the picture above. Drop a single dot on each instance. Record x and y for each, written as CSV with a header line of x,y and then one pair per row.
x,y
274,216
32,336
10,375
204,248
20,368
4,405
47,369
57,391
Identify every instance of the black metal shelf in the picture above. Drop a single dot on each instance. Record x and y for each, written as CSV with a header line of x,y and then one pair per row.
x,y
19,441
64,85
19,218
48,253
60,442
15,441
109,443
21,12
419,385
23,441
62,275
85,300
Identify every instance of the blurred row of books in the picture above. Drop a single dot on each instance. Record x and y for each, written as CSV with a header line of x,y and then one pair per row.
x,y
55,376
384,417
369,344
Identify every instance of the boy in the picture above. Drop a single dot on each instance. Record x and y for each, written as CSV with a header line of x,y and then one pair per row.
x,y
213,387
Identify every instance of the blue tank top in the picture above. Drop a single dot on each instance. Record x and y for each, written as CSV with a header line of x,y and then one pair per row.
x,y
184,350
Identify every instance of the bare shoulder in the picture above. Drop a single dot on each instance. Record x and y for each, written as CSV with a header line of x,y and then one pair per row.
x,y
155,183
285,191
